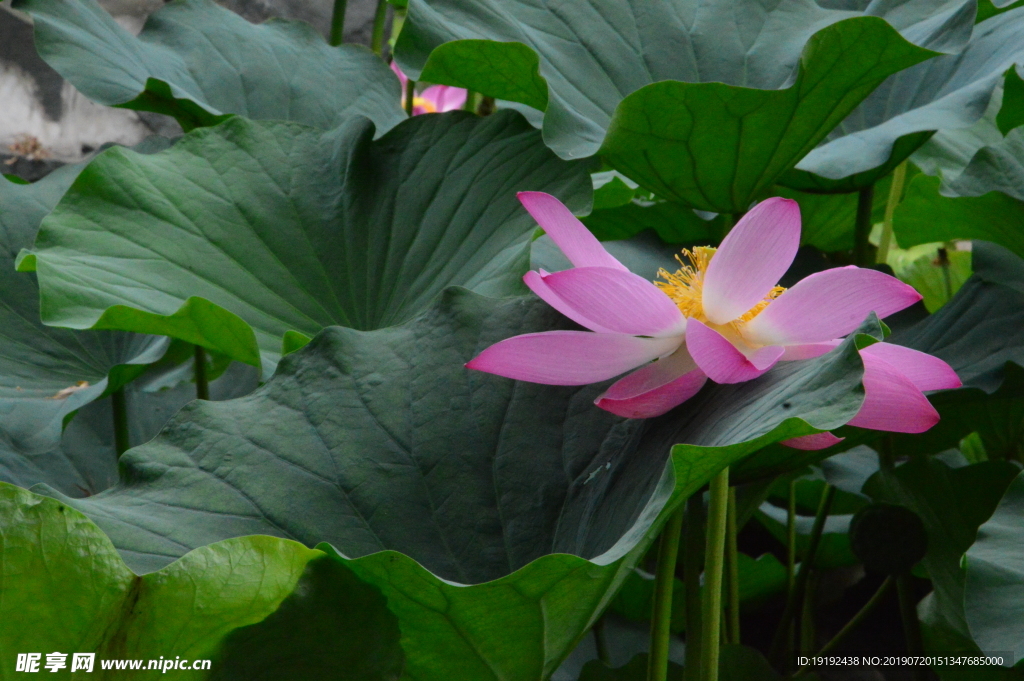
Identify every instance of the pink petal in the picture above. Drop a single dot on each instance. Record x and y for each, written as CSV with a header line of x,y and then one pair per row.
x,y
535,280
654,389
808,351
925,371
570,357
752,259
813,442
722,361
621,302
891,401
827,305
445,97
401,76
570,235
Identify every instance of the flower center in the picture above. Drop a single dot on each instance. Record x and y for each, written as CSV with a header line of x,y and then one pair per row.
x,y
685,286
425,104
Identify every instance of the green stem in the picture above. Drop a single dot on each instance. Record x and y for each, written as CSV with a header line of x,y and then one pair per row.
x,y
410,96
807,614
693,564
338,22
379,20
911,627
853,623
793,597
791,538
470,104
120,408
895,194
734,570
714,557
664,580
790,560
862,227
199,367
947,278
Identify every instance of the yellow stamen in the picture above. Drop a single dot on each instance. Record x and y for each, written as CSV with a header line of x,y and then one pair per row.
x,y
425,104
686,286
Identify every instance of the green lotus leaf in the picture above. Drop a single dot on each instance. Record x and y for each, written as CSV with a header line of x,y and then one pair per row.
x,y
705,117
945,93
476,504
234,602
986,201
243,232
994,590
198,62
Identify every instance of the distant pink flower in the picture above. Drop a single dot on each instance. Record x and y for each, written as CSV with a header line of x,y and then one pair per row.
x,y
435,99
726,320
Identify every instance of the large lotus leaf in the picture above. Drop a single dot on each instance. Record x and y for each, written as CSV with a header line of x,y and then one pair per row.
x,y
197,61
48,373
947,92
427,477
994,591
705,103
243,232
239,603
952,503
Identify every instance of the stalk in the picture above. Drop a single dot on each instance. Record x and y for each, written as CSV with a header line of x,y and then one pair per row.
x,y
899,176
379,20
664,579
862,227
470,104
202,385
338,22
790,561
713,568
947,277
693,564
853,623
911,627
410,95
793,597
120,408
732,555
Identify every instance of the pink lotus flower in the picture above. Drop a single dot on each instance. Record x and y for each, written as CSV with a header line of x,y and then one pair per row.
x,y
720,316
435,99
